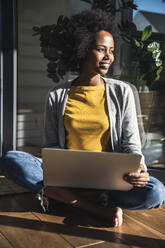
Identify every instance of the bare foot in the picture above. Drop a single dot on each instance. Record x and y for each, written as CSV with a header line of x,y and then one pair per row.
x,y
114,215
118,217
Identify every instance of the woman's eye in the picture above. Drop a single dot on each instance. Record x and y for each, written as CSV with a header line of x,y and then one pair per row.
x,y
101,50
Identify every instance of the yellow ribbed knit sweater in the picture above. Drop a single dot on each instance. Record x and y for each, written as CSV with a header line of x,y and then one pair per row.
x,y
86,119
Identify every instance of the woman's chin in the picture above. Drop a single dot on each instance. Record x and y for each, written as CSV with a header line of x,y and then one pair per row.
x,y
103,72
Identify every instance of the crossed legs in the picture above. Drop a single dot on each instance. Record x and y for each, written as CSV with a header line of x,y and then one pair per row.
x,y
25,169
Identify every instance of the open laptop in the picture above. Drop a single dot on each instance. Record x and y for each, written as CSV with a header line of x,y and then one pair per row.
x,y
88,169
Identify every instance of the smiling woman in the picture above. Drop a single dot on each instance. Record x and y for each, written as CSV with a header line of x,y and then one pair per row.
x,y
101,55
90,113
79,33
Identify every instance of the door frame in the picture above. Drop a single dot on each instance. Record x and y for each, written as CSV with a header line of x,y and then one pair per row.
x,y
8,74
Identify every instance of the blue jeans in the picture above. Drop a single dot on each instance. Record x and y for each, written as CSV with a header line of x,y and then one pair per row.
x,y
26,170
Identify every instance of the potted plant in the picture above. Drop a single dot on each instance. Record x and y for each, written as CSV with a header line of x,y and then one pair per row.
x,y
144,69
146,56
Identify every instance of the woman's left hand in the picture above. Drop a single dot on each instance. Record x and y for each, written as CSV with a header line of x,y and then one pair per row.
x,y
139,178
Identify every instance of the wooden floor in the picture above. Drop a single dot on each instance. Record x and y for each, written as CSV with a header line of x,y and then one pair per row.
x,y
24,225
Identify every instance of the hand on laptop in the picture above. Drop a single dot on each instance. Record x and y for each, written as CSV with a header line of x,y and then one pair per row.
x,y
139,178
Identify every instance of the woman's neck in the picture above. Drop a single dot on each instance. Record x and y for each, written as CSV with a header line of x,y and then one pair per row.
x,y
84,80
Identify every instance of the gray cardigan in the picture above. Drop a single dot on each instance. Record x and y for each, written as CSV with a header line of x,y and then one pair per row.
x,y
122,116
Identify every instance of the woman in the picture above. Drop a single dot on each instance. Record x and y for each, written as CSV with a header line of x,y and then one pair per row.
x,y
91,113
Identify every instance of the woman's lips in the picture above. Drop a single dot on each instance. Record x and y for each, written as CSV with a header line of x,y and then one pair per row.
x,y
104,65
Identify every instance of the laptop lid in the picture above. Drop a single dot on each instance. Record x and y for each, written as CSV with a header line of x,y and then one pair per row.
x,y
88,169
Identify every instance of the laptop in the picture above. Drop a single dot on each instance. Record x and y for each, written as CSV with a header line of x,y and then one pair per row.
x,y
88,169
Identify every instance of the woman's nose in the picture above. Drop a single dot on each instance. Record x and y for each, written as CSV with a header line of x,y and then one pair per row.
x,y
108,55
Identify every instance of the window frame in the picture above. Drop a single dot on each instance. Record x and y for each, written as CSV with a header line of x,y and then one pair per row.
x,y
8,74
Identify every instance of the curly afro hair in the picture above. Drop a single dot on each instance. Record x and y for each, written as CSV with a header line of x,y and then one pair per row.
x,y
66,43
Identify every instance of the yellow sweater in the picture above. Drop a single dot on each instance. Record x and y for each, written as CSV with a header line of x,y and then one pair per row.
x,y
86,119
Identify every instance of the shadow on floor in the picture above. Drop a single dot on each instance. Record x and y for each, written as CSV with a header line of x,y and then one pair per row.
x,y
78,231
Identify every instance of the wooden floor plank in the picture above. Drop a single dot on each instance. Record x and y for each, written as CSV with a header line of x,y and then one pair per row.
x,y
4,243
9,203
82,229
163,207
126,236
24,225
108,245
72,224
136,234
154,218
76,234
24,230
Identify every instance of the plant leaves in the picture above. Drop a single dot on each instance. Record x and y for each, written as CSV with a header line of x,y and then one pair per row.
x,y
146,33
51,67
129,4
158,73
126,39
153,46
137,43
156,54
158,62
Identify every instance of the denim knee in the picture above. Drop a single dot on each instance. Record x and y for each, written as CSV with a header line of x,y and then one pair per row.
x,y
24,169
155,193
150,196
14,159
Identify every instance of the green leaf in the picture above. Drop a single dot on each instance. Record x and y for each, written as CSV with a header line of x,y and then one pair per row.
x,y
158,73
146,33
126,39
156,54
153,46
137,43
158,62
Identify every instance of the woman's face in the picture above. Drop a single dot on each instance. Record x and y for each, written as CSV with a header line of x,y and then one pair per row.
x,y
101,56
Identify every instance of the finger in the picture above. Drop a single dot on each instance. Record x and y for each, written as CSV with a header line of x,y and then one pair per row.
x,y
134,174
139,180
141,177
142,174
135,181
139,184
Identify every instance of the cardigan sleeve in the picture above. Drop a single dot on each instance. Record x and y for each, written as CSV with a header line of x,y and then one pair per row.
x,y
50,123
130,132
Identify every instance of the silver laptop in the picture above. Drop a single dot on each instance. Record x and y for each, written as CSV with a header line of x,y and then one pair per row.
x,y
88,169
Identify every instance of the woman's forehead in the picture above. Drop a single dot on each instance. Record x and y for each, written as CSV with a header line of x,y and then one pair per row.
x,y
103,37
